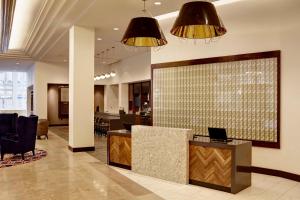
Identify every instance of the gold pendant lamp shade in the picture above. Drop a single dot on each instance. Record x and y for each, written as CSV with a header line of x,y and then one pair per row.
x,y
198,20
144,32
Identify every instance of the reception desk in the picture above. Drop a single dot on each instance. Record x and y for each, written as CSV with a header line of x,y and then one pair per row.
x,y
173,155
119,148
214,164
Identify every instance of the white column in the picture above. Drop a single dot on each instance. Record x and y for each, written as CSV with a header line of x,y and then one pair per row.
x,y
81,88
123,96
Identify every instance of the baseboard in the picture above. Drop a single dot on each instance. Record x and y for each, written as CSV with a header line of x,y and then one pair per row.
x,y
81,149
58,124
119,165
209,185
271,172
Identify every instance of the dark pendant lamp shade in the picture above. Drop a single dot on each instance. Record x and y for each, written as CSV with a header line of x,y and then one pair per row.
x,y
198,20
144,32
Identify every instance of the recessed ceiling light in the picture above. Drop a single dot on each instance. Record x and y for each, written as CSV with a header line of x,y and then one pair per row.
x,y
157,3
116,29
99,39
17,63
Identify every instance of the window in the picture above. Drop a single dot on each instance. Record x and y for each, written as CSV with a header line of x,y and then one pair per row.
x,y
13,92
139,96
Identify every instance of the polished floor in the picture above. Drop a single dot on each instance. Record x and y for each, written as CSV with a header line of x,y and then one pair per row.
x,y
64,175
100,142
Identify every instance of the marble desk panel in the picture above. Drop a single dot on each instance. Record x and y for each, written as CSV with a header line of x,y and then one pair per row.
x,y
161,152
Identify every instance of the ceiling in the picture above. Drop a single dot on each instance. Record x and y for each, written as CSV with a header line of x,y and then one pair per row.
x,y
47,23
104,15
119,14
25,15
15,65
47,39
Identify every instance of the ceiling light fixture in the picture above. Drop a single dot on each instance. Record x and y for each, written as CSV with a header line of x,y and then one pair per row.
x,y
25,14
112,74
198,20
99,39
157,3
116,29
105,76
102,76
144,32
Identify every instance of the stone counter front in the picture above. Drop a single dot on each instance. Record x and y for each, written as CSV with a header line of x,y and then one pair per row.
x,y
161,152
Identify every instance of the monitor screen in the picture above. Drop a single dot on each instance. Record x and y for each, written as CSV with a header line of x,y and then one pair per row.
x,y
217,133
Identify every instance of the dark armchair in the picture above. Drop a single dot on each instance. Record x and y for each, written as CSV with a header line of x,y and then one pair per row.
x,y
8,124
25,139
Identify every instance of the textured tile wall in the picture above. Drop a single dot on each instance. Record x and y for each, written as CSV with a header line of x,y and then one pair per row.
x,y
240,96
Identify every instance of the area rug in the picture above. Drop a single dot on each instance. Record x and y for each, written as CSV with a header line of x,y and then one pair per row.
x,y
13,160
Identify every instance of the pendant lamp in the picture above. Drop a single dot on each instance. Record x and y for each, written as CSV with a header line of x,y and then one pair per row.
x,y
198,20
144,32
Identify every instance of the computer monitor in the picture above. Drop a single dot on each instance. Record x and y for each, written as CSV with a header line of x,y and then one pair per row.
x,y
217,134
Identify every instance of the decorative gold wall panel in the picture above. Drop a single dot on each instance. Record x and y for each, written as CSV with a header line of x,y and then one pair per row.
x,y
240,96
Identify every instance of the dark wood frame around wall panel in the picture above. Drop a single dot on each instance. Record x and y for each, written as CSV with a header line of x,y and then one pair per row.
x,y
260,55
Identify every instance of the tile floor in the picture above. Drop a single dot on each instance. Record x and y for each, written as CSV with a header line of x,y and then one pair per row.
x,y
100,142
64,175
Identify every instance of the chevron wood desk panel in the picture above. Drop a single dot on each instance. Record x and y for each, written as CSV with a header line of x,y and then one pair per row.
x,y
210,165
119,148
214,165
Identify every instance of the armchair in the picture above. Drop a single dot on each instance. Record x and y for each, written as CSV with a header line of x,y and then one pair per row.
x,y
25,141
8,124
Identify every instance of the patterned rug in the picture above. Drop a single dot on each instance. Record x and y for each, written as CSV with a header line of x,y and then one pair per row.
x,y
12,160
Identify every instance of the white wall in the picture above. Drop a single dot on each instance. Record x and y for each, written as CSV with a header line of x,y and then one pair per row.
x,y
45,73
111,98
244,39
133,69
123,96
30,75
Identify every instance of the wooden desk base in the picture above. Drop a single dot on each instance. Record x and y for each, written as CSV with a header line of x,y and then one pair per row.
x,y
214,165
119,149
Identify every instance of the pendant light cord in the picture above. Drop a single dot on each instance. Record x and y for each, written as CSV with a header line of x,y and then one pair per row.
x,y
145,10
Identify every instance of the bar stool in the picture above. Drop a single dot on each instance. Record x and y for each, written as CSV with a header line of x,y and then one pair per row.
x,y
104,127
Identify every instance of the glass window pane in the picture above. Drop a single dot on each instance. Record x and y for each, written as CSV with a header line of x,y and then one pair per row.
x,y
13,90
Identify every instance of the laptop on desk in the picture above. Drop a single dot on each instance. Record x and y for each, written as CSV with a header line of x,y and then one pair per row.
x,y
218,135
